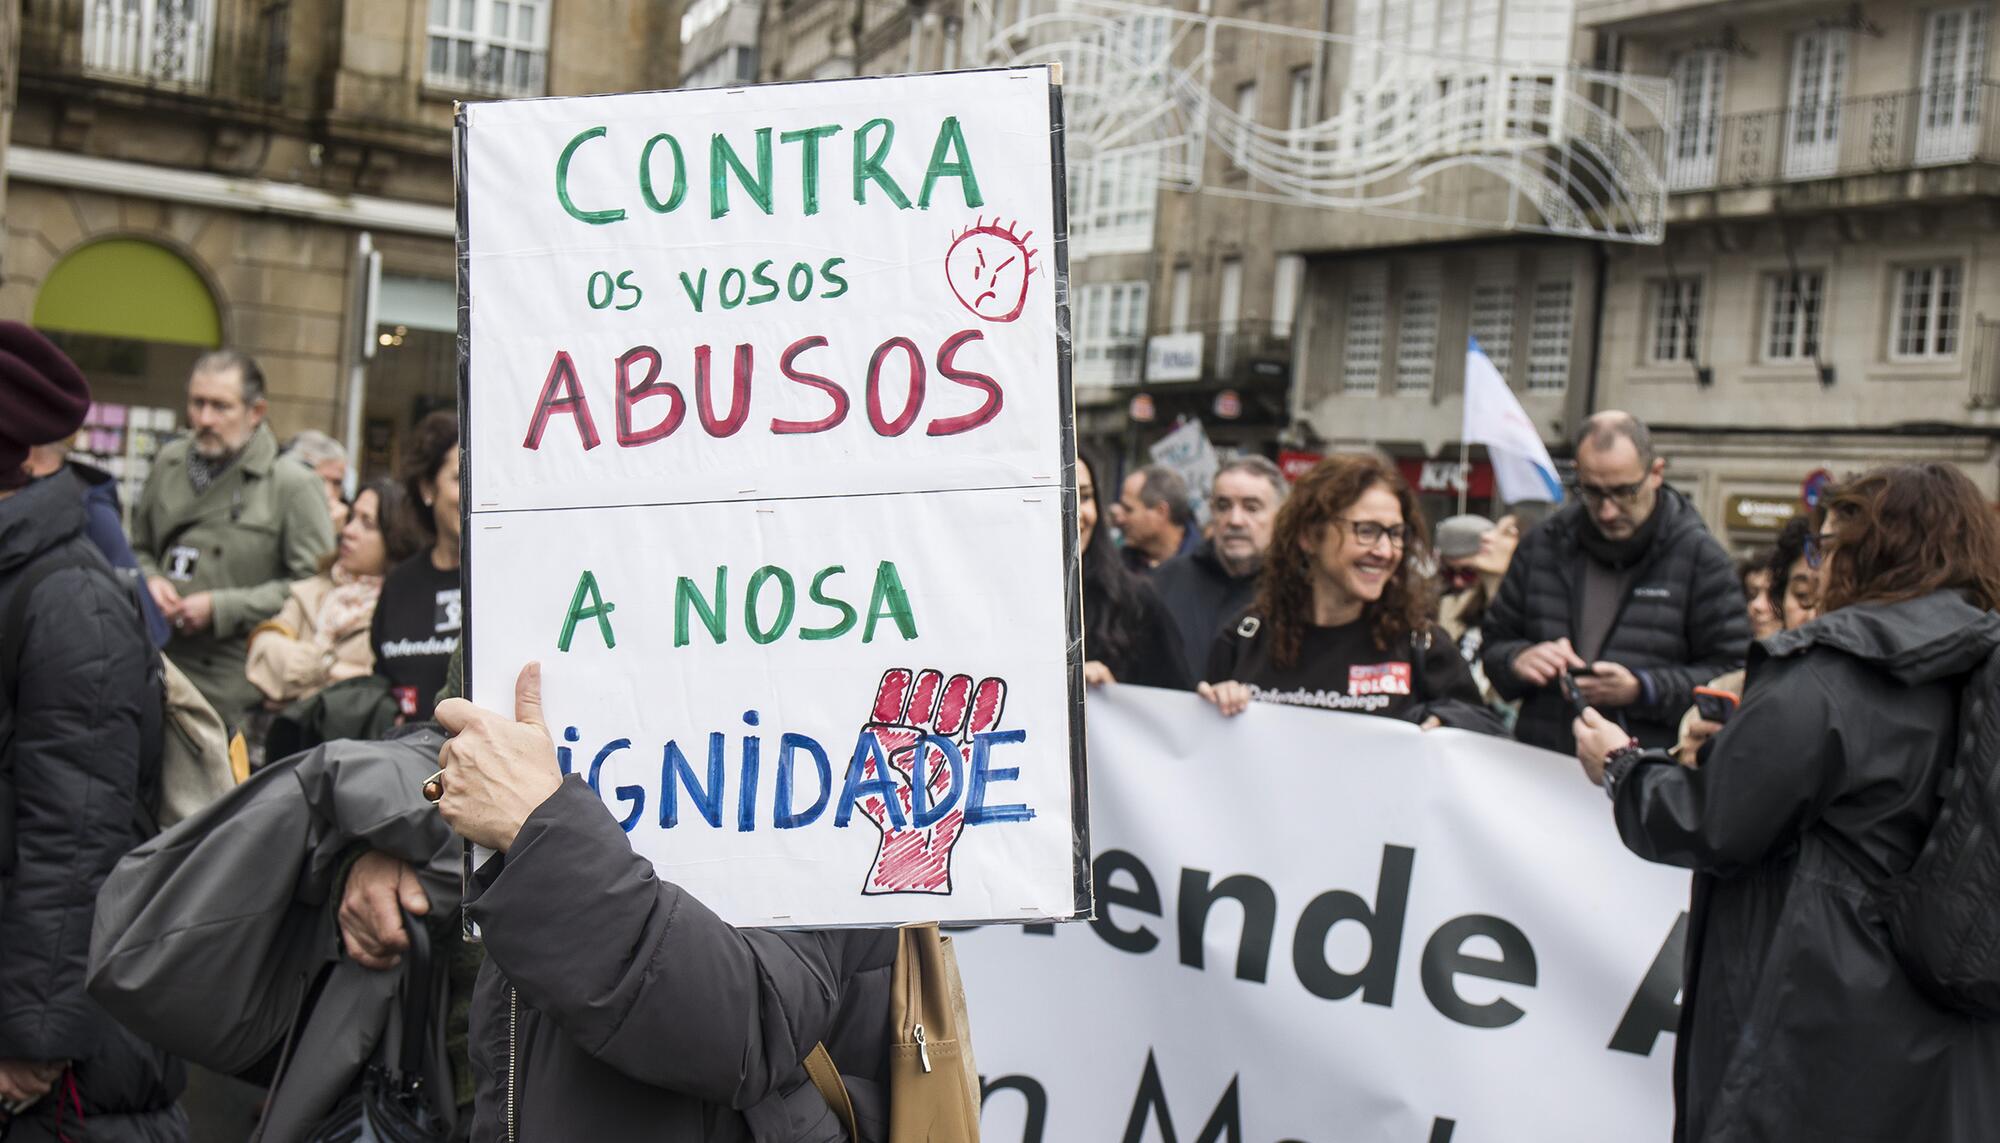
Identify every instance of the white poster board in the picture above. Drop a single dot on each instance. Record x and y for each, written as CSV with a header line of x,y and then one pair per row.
x,y
1323,926
770,464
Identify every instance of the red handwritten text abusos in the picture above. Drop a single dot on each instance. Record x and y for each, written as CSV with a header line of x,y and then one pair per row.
x,y
649,405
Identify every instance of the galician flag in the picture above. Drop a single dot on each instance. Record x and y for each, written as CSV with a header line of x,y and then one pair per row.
x,y
1494,418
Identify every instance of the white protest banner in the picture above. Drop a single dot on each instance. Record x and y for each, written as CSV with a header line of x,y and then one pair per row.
x,y
769,464
1326,927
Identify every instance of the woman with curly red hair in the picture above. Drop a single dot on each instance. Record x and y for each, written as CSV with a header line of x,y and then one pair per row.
x,y
1342,618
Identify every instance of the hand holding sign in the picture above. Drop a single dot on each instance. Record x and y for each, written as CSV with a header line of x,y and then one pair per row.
x,y
495,771
926,725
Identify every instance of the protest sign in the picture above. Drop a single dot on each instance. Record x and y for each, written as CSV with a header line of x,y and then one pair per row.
x,y
770,464
1188,452
1322,926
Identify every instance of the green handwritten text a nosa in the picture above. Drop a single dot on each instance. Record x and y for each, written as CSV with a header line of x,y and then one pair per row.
x,y
770,601
746,168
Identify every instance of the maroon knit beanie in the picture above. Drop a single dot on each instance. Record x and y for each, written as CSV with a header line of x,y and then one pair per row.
x,y
43,398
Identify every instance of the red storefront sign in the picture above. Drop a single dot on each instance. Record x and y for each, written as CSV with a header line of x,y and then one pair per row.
x,y
1295,463
1442,477
1448,476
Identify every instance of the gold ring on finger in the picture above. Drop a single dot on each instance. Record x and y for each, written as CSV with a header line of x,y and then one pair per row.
x,y
434,787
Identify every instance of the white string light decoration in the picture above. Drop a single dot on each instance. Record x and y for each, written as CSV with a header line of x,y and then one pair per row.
x,y
1415,134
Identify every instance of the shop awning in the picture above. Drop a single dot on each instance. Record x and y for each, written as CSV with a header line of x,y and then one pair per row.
x,y
126,288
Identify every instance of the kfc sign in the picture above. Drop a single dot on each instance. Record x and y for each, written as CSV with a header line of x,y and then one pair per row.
x,y
1448,477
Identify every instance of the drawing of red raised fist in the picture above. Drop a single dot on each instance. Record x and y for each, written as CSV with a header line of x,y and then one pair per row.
x,y
923,716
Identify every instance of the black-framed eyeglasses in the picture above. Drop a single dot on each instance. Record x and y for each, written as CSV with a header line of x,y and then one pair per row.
x,y
1626,494
1819,545
1368,533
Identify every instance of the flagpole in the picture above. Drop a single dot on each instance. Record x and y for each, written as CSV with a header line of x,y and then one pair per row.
x,y
1464,470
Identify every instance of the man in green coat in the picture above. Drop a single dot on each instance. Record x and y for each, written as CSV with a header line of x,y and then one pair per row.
x,y
222,529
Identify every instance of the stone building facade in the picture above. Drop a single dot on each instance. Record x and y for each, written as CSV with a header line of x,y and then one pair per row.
x,y
184,174
1828,295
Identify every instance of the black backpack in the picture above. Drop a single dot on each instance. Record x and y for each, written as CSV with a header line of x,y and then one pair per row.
x,y
1943,920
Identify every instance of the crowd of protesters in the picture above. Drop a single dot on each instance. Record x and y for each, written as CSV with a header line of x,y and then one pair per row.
x,y
1780,726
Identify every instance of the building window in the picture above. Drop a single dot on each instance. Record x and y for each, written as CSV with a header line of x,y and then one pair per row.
x,y
1819,81
1954,66
1676,319
730,67
498,46
1791,323
1182,299
167,42
1228,314
1417,336
1548,338
1285,285
1367,311
1301,115
1696,143
1246,113
1927,310
1493,320
1113,202
1110,330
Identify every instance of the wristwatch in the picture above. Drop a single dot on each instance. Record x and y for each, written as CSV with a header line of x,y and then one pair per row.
x,y
1619,763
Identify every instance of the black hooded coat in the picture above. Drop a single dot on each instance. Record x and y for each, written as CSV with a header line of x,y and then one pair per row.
x,y
69,790
1798,1021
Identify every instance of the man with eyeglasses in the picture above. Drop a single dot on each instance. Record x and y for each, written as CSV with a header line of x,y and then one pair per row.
x,y
1624,591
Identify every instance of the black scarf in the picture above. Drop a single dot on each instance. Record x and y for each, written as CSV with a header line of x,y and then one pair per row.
x,y
1619,555
203,470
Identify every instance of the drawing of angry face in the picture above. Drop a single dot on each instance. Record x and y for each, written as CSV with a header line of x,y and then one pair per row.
x,y
988,266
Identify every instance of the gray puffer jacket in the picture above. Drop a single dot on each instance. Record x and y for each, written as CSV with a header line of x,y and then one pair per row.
x,y
614,1007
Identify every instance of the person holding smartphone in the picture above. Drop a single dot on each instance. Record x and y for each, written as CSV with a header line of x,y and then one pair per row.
x,y
1799,1020
1791,588
1623,586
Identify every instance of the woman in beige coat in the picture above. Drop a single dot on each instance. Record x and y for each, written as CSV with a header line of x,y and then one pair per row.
x,y
320,636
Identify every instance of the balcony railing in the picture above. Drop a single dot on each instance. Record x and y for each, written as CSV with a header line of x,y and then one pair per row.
x,y
1249,353
461,66
158,45
1871,134
167,42
1116,363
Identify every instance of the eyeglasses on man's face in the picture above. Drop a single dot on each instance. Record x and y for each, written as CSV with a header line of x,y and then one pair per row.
x,y
1625,494
1368,533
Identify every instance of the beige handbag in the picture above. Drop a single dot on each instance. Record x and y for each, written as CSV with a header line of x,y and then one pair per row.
x,y
933,1083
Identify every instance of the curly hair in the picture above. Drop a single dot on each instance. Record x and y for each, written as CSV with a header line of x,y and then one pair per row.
x,y
432,442
1790,546
1905,531
1317,499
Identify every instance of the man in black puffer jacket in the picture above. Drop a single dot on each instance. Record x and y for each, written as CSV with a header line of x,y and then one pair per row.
x,y
71,711
1624,584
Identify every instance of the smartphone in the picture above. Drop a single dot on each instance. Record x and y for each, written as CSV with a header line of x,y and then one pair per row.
x,y
1571,695
1714,705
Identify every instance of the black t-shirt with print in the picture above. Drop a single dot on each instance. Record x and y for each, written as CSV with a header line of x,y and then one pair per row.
x,y
417,622
1342,668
